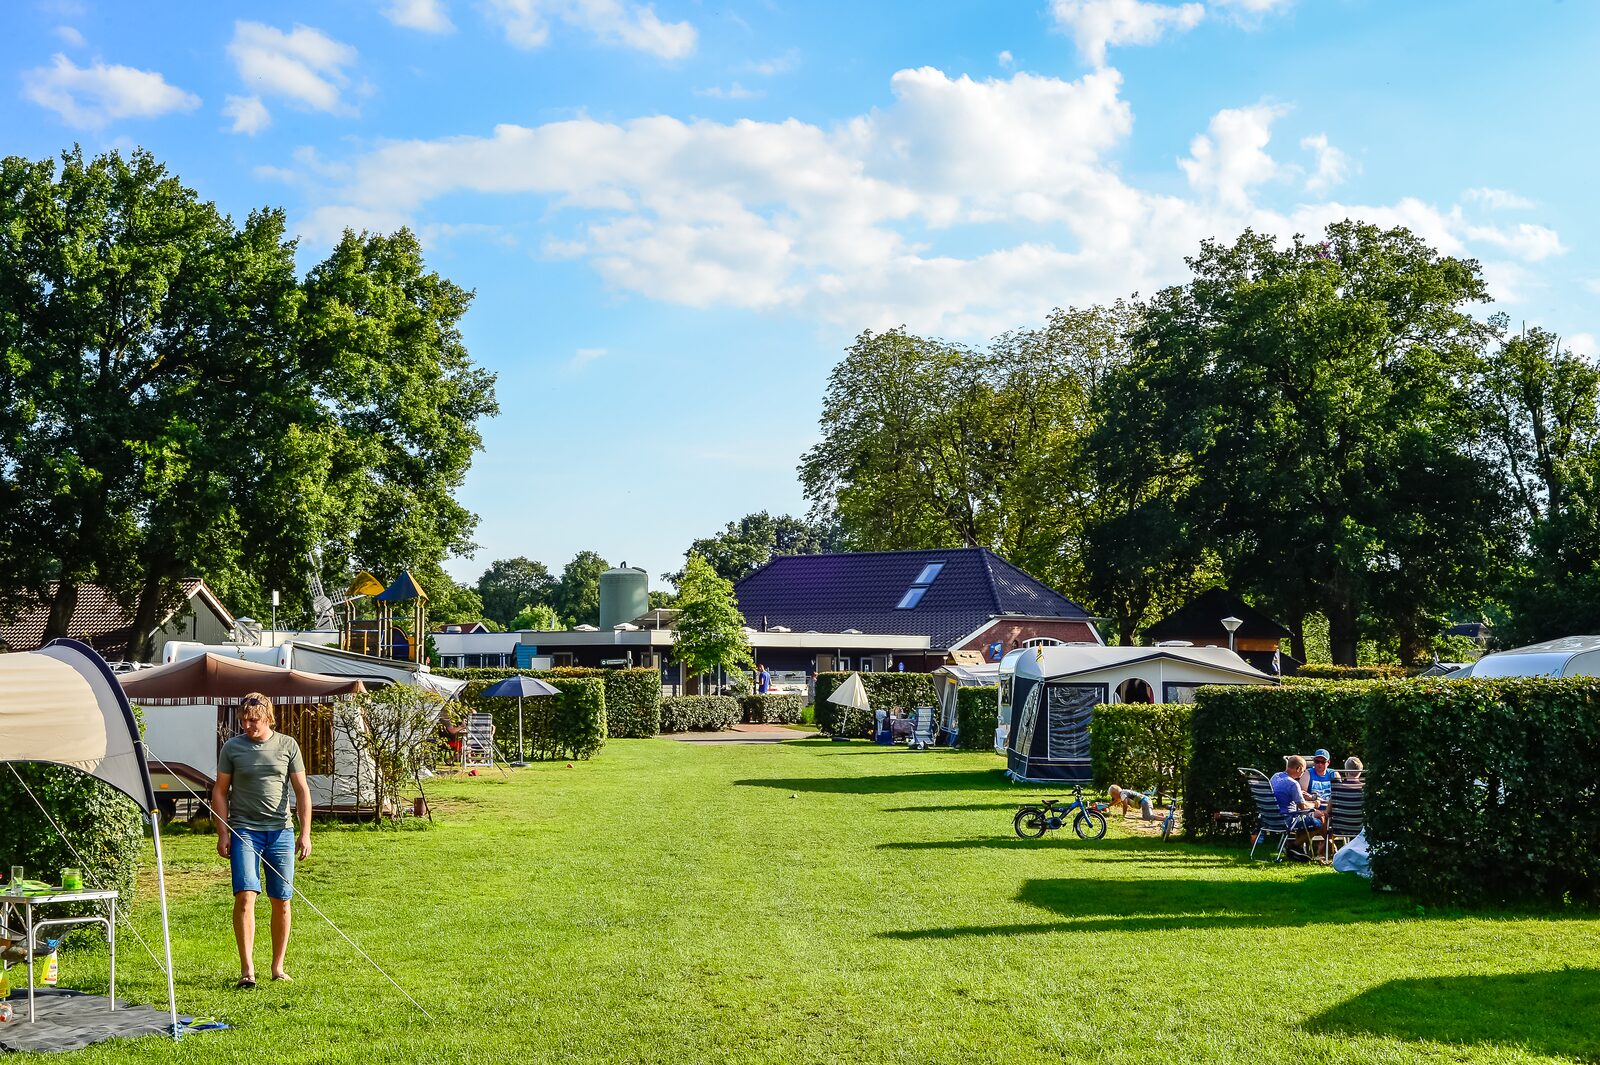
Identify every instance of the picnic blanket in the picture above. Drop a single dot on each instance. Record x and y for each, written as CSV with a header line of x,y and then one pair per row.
x,y
71,1020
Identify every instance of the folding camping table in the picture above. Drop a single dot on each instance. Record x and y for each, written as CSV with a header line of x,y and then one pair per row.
x,y
27,903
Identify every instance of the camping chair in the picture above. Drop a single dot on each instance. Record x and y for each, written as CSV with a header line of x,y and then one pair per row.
x,y
1270,819
1345,813
477,746
925,722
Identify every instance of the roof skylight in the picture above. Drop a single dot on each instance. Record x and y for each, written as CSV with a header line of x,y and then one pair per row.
x,y
919,587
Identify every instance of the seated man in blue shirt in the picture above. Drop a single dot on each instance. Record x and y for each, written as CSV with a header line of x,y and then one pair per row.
x,y
1297,808
1320,783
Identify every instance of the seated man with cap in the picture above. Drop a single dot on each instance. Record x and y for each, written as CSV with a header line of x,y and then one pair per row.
x,y
1320,776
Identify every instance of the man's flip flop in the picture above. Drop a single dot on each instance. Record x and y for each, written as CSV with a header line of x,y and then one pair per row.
x,y
247,985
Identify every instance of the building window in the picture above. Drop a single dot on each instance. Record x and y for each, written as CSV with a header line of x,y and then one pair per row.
x,y
919,587
1042,641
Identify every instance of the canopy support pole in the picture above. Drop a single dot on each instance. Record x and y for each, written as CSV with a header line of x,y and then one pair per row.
x,y
166,930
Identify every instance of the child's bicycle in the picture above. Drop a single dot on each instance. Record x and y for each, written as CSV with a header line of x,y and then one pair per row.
x,y
1036,819
1171,818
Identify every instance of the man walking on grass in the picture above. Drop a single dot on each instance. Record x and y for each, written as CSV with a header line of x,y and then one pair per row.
x,y
256,770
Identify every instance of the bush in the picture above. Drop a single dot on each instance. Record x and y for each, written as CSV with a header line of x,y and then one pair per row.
x,y
103,824
1243,725
885,691
579,719
1144,746
633,702
1486,791
633,698
977,716
1378,671
699,713
771,709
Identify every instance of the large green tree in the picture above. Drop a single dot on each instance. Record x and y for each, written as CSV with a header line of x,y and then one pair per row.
x,y
576,596
744,546
177,402
1318,393
1543,404
709,633
510,585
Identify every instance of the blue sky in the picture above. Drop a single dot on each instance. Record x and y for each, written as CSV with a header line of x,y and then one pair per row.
x,y
676,215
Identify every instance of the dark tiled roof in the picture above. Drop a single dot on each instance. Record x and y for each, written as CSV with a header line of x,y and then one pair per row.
x,y
860,590
1201,618
99,620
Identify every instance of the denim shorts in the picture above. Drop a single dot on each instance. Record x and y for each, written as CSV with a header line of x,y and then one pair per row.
x,y
1304,822
253,850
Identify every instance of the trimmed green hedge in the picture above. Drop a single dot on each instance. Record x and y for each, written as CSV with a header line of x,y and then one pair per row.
x,y
550,726
977,716
1144,746
1486,791
771,709
633,696
633,702
885,691
1243,725
1379,671
699,713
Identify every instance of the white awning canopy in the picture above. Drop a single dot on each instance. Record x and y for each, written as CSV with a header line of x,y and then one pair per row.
x,y
60,704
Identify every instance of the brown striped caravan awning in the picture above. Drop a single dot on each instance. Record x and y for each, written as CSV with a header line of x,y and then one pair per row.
x,y
223,681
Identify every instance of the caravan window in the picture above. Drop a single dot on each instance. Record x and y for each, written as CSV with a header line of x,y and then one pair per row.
x,y
1005,692
1184,693
1134,690
1023,740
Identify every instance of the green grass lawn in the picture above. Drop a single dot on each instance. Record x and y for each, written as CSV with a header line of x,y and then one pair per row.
x,y
838,902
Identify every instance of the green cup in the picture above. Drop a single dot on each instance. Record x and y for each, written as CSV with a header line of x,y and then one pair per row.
x,y
71,879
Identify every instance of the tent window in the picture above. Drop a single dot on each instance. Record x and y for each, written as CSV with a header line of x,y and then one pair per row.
x,y
1070,706
1134,690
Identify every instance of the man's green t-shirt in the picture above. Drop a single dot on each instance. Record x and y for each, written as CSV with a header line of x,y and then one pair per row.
x,y
259,797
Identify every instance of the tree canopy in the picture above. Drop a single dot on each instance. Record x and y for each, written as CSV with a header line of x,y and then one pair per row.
x,y
178,402
710,629
744,546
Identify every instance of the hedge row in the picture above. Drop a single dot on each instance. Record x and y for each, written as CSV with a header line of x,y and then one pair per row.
x,y
699,713
104,825
633,696
977,717
885,691
772,709
1323,671
1144,746
1255,727
1486,791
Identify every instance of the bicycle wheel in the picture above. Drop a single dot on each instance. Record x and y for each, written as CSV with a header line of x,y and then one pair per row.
x,y
1029,823
1089,824
1166,825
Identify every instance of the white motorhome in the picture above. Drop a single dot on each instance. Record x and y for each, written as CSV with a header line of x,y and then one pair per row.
x,y
1570,656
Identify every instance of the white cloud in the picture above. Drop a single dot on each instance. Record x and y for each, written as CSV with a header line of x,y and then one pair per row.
x,y
1498,199
1005,59
70,36
428,16
1098,24
1526,241
250,116
304,66
1230,158
962,206
584,356
778,64
89,97
1593,285
732,92
1249,13
1333,166
618,22
1583,344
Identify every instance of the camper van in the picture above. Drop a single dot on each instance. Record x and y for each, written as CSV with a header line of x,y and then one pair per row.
x,y
1570,656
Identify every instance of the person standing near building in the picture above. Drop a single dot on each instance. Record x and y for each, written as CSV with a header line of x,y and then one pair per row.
x,y
763,680
256,772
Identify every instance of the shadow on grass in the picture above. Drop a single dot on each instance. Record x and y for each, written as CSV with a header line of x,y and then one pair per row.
x,y
1551,1013
1146,848
1088,904
886,784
